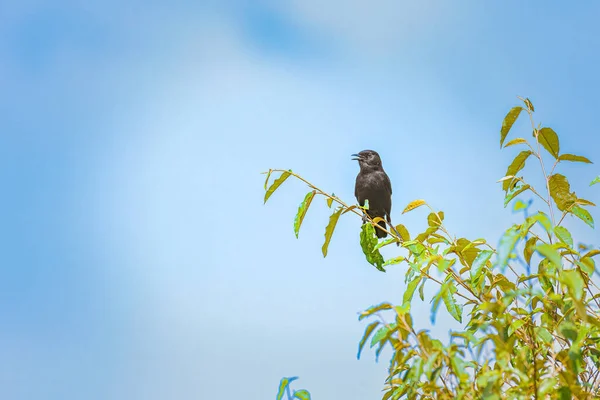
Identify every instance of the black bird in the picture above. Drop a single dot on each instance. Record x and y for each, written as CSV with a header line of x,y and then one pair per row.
x,y
373,184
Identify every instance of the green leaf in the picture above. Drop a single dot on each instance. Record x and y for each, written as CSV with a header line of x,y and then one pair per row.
x,y
517,164
572,278
519,205
368,241
583,214
283,384
284,175
413,204
395,260
382,333
302,211
550,253
301,394
453,308
330,201
549,139
506,246
515,192
384,243
508,122
563,235
596,180
515,326
333,219
410,290
368,331
560,190
543,333
515,141
574,158
477,267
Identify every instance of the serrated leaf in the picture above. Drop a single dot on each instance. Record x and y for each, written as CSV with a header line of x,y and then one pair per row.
x,y
515,166
563,235
507,244
596,180
515,141
403,232
549,139
301,394
560,190
302,209
414,204
284,175
368,331
583,214
550,253
333,219
574,158
368,241
515,192
508,122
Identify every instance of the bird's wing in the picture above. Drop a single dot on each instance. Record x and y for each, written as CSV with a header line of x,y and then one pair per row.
x,y
387,183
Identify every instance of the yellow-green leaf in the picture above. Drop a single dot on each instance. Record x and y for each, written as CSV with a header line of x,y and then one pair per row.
x,y
333,219
515,326
410,290
574,158
302,211
368,331
529,249
368,242
414,204
519,205
435,219
284,175
375,309
549,139
596,180
529,104
283,384
515,141
268,176
563,235
517,164
301,394
508,122
477,268
330,200
572,278
560,190
452,306
403,232
550,253
583,214
506,246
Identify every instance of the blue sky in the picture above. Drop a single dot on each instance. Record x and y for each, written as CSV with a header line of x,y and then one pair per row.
x,y
138,261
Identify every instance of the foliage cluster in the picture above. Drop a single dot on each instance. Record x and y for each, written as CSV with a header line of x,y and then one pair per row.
x,y
529,307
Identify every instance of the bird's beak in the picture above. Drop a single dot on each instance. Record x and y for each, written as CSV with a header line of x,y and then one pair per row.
x,y
357,157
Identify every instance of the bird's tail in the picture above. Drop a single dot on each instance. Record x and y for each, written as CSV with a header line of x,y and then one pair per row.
x,y
379,232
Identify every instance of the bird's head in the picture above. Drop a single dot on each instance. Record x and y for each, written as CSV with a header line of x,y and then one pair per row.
x,y
368,159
